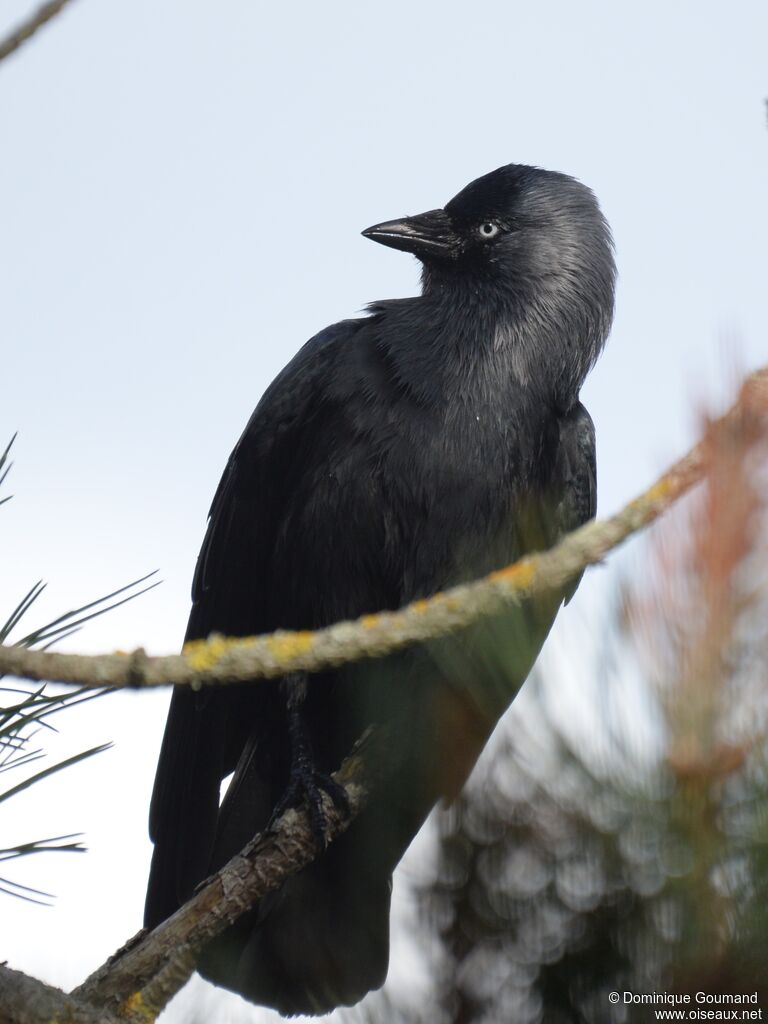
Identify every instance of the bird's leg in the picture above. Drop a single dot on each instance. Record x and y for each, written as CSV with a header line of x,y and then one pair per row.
x,y
305,782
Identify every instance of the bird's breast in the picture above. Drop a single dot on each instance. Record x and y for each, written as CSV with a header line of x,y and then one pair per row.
x,y
452,496
411,504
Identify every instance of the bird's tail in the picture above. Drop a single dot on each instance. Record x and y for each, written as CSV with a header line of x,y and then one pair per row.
x,y
320,942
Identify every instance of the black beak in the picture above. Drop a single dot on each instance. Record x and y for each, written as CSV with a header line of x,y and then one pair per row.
x,y
425,235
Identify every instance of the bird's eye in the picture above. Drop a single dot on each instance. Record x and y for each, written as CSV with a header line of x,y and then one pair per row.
x,y
488,230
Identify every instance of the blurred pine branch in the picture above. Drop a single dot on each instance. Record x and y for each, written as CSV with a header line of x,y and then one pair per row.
x,y
629,854
25,711
28,28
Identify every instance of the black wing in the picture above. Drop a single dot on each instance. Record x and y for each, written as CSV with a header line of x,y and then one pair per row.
x,y
206,731
577,472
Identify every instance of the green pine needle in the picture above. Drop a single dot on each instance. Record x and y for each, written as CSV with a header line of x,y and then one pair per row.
x,y
25,712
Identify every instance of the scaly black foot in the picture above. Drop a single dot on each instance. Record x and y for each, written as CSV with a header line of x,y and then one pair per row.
x,y
309,785
305,782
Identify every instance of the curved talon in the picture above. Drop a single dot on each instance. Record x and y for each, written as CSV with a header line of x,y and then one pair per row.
x,y
336,792
306,783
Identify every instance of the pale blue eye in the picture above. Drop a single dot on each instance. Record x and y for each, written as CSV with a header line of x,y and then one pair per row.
x,y
488,230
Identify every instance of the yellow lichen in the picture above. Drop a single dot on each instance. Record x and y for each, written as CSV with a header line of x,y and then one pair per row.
x,y
134,1006
520,575
660,489
203,654
290,645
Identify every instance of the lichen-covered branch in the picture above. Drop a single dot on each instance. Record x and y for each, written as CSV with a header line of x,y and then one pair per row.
x,y
224,660
27,29
135,984
25,1000
141,978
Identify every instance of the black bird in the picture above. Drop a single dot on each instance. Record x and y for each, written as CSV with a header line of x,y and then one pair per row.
x,y
434,440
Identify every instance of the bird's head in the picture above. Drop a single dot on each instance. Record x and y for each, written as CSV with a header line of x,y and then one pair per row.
x,y
527,255
516,225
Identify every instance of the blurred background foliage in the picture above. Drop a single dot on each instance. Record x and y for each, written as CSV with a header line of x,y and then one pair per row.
x,y
568,870
26,709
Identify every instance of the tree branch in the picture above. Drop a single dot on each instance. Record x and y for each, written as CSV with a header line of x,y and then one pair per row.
x,y
140,979
225,660
25,1000
27,29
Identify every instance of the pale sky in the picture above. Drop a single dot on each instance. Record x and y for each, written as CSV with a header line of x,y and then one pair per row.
x,y
183,186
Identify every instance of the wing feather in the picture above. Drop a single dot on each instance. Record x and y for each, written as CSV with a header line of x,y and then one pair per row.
x,y
206,732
